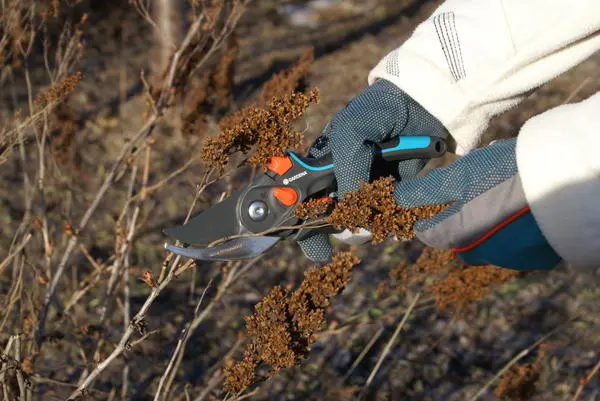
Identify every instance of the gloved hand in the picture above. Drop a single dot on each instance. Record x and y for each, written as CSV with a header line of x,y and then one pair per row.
x,y
490,221
379,113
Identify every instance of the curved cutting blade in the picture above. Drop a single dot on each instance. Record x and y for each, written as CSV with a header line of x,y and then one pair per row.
x,y
235,249
217,222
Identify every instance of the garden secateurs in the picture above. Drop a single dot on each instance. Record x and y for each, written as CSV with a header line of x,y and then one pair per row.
x,y
248,221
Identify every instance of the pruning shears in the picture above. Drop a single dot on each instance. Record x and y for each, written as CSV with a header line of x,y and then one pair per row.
x,y
249,220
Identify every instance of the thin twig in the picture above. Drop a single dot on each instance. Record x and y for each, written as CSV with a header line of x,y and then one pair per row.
x,y
216,378
182,338
314,224
126,320
244,396
146,130
585,380
7,349
142,338
125,341
577,90
19,372
121,251
388,346
231,277
15,252
363,353
45,380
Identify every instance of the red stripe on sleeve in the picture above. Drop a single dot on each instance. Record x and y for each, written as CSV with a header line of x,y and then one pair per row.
x,y
493,231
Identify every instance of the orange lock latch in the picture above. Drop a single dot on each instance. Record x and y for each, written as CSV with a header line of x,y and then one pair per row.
x,y
287,196
279,164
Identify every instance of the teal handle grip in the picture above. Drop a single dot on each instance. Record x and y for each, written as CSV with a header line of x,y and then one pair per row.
x,y
396,149
412,147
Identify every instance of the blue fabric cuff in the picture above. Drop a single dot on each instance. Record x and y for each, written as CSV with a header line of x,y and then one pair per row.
x,y
518,245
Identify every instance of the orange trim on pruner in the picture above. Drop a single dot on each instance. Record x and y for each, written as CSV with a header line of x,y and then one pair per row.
x,y
280,164
287,196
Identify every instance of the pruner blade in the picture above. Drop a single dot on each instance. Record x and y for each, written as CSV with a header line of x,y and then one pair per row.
x,y
234,249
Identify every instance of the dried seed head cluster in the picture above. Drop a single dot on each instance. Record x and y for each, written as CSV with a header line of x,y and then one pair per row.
x,y
241,375
373,207
520,382
469,284
59,91
313,208
283,325
222,77
435,262
66,125
210,93
287,81
451,282
196,106
265,131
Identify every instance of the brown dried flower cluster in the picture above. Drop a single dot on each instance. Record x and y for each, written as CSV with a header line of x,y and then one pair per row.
x,y
451,282
241,375
313,208
520,382
283,325
221,80
196,107
211,93
435,262
287,81
66,124
469,284
59,91
263,132
373,207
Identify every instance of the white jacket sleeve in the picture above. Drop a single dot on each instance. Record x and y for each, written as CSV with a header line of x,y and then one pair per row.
x,y
473,59
558,156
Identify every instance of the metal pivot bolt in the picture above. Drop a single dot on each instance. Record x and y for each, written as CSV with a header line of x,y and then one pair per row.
x,y
258,210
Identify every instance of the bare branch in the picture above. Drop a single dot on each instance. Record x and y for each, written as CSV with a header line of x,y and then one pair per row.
x,y
584,381
162,104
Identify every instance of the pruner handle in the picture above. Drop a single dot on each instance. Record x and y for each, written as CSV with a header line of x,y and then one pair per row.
x,y
412,147
320,178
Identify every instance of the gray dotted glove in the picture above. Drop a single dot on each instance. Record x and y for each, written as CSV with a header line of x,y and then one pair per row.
x,y
378,113
490,221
